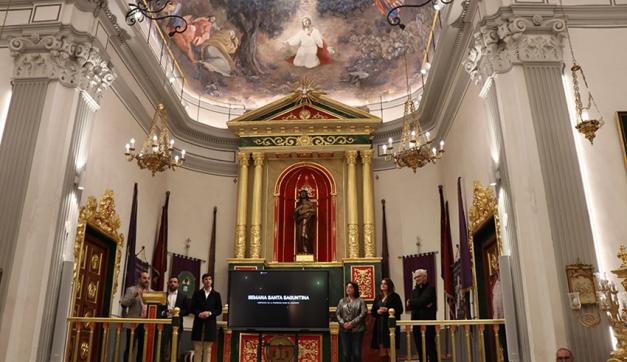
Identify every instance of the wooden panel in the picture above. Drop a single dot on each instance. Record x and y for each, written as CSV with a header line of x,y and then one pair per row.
x,y
94,276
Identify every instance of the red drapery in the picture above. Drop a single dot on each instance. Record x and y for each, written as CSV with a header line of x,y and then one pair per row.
x,y
321,187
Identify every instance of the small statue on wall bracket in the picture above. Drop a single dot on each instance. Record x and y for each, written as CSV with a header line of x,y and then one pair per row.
x,y
305,220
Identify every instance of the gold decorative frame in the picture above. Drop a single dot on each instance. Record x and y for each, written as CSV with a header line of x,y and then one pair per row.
x,y
484,207
581,280
102,216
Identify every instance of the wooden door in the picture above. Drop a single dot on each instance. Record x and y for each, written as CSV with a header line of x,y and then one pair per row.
x,y
93,296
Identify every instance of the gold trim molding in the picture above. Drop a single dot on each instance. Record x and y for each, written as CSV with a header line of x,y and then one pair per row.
x,y
484,206
102,216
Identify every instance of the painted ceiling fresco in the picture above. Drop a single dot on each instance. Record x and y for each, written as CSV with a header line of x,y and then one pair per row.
x,y
247,52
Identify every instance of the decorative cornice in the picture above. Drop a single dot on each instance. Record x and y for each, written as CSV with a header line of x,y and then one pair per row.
x,y
509,40
64,57
109,20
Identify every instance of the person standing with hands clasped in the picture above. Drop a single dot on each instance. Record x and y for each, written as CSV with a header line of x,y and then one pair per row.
x,y
388,299
423,305
206,306
351,315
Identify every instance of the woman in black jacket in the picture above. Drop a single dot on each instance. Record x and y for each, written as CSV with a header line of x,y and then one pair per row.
x,y
386,300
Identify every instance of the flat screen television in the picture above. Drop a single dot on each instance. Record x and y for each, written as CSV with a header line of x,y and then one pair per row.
x,y
285,300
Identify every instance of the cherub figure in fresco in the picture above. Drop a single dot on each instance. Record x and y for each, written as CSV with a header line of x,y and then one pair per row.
x,y
312,50
215,53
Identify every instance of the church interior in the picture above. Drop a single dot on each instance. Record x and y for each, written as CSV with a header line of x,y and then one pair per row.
x,y
479,143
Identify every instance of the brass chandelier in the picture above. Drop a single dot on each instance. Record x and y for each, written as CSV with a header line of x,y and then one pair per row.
x,y
157,149
415,148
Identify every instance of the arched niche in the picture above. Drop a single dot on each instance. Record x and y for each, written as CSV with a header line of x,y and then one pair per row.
x,y
322,190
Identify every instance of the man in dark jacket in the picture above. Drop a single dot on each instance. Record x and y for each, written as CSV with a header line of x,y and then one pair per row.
x,y
206,306
423,306
175,299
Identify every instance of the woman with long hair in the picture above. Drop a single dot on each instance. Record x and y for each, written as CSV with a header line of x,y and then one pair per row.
x,y
351,315
385,301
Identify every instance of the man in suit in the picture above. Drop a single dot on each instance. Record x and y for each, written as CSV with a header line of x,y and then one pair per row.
x,y
206,306
175,300
135,308
423,306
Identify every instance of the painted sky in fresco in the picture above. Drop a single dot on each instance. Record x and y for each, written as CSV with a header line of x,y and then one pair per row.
x,y
248,52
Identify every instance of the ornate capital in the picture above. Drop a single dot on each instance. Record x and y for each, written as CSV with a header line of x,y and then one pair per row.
x,y
258,158
366,156
243,157
62,57
351,157
510,40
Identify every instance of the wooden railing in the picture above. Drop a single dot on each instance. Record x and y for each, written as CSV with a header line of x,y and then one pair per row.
x,y
81,349
465,339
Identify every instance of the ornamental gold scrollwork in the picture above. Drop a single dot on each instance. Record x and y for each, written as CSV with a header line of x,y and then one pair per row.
x,y
369,241
84,350
353,240
240,238
364,277
305,140
484,207
102,216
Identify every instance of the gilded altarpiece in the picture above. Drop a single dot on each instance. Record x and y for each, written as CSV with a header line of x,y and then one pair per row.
x,y
306,148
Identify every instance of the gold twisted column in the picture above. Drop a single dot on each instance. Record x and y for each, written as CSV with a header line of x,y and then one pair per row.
x,y
368,189
242,199
255,218
353,227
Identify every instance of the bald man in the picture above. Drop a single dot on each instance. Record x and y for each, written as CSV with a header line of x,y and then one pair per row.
x,y
564,355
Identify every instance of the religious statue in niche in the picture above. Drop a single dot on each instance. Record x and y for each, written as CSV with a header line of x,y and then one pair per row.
x,y
305,222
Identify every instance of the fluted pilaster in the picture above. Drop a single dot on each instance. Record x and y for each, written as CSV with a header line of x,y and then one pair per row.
x,y
528,52
255,221
351,201
242,201
368,200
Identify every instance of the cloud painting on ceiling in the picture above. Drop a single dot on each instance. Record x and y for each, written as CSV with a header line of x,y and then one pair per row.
x,y
248,52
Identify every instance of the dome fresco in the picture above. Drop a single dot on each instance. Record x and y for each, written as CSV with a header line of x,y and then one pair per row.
x,y
248,52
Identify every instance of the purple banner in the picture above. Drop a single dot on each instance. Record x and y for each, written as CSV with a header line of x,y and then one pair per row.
x,y
188,271
414,262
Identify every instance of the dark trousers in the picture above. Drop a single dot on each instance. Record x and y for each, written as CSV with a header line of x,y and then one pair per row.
x,y
351,346
432,353
166,343
138,343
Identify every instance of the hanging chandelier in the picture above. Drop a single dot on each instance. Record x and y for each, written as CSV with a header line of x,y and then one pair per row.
x,y
156,151
415,149
589,119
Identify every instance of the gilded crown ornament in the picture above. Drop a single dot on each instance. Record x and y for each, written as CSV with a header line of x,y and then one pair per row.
x,y
156,151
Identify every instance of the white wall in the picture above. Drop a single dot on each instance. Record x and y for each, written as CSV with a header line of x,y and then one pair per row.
x,y
603,167
412,210
192,198
107,168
